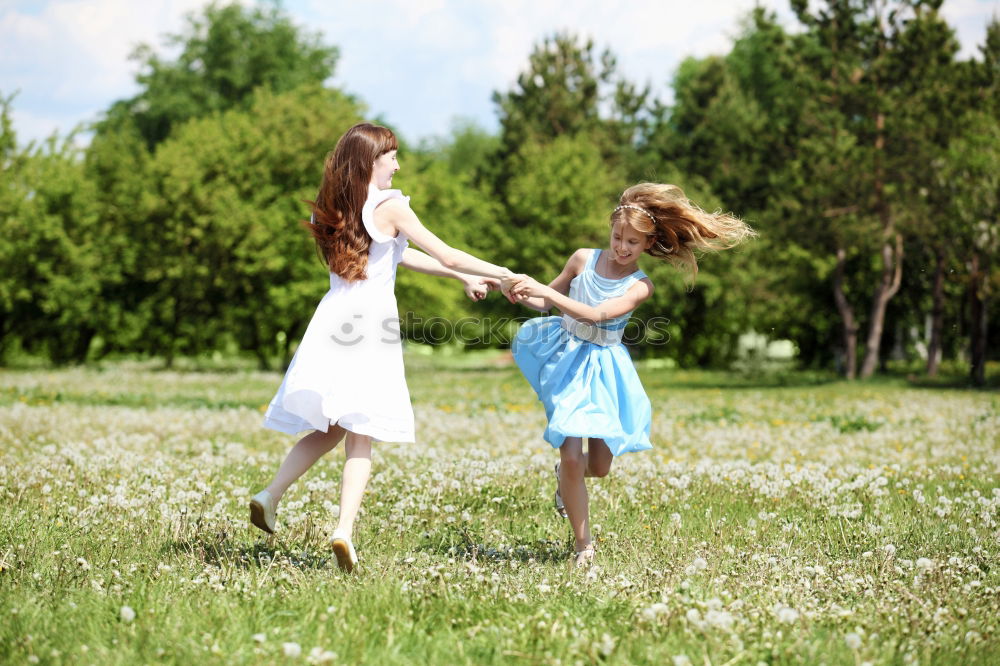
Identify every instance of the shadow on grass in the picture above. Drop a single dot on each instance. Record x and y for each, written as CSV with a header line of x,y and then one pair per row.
x,y
12,394
708,379
953,383
460,543
226,552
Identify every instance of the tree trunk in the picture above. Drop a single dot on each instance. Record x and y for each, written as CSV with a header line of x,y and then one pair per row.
x,y
850,325
937,314
82,344
892,276
892,260
259,347
978,328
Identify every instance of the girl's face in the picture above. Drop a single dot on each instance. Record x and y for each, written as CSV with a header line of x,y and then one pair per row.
x,y
385,166
627,243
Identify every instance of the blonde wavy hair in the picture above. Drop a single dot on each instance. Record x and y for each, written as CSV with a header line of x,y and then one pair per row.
x,y
679,227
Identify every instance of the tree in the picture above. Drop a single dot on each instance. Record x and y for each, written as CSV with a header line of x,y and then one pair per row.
x,y
937,92
859,57
51,258
972,171
446,182
568,89
227,260
736,126
226,54
117,164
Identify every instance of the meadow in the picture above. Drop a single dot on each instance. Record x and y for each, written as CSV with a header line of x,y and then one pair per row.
x,y
808,521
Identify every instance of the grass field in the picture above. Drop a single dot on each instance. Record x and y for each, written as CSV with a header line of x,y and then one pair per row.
x,y
812,522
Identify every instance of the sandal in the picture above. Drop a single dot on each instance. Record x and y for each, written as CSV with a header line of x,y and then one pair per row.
x,y
560,507
585,556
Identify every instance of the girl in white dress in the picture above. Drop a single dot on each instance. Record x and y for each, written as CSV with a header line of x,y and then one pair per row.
x,y
346,377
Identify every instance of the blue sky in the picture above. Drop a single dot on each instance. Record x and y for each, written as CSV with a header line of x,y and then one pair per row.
x,y
418,64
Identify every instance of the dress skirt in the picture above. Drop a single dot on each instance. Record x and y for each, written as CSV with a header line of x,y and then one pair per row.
x,y
588,390
348,370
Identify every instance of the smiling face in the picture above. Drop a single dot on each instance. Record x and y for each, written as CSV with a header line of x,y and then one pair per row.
x,y
385,165
627,243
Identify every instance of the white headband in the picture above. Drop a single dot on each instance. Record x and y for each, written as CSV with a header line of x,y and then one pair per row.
x,y
665,250
641,210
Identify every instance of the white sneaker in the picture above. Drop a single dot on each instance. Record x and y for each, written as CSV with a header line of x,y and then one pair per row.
x,y
343,549
262,511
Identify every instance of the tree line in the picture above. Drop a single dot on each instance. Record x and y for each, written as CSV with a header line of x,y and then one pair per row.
x,y
863,150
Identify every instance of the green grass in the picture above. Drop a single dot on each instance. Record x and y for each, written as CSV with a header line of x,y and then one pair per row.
x,y
794,521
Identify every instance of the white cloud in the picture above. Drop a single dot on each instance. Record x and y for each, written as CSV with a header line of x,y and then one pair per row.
x,y
970,18
412,60
417,63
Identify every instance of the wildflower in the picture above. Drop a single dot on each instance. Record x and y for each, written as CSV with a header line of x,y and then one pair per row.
x,y
786,614
650,613
292,650
682,660
925,564
320,656
700,563
126,614
259,638
606,646
719,619
853,640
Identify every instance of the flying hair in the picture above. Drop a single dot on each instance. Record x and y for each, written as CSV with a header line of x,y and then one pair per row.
x,y
679,227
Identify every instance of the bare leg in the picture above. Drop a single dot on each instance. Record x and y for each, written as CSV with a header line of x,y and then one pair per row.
x,y
598,458
574,490
303,455
357,469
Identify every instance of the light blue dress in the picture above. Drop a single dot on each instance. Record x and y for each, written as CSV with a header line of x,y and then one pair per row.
x,y
583,374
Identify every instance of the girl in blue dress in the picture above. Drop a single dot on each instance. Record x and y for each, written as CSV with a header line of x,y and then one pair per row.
x,y
576,363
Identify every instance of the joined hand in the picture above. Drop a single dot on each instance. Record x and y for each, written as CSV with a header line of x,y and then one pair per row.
x,y
476,288
508,282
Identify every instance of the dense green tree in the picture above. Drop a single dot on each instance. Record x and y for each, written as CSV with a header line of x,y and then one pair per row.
x,y
117,164
452,199
52,260
569,89
227,260
937,95
226,53
973,170
734,126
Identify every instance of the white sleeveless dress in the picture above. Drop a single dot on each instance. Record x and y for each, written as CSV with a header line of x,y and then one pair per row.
x,y
348,369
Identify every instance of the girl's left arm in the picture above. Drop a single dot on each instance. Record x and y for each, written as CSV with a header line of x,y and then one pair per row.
x,y
574,265
476,287
588,314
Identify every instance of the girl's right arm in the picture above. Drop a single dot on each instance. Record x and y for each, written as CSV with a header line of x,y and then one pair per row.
x,y
574,266
398,214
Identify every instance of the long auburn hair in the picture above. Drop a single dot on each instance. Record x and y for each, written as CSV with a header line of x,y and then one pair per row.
x,y
679,227
340,234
